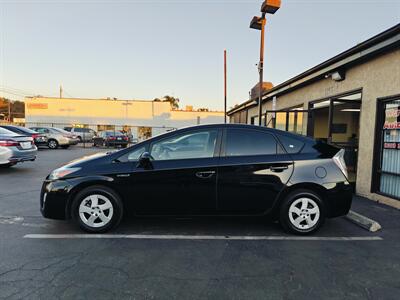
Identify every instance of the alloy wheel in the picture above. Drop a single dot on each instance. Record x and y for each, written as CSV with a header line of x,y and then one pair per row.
x,y
96,211
304,213
52,144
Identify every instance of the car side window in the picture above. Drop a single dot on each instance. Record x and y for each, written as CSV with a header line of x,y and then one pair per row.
x,y
197,144
245,142
133,155
291,145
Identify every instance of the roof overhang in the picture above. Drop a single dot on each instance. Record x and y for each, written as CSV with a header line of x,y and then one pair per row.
x,y
386,40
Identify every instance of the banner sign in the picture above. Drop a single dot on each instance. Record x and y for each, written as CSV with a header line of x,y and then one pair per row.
x,y
392,118
37,105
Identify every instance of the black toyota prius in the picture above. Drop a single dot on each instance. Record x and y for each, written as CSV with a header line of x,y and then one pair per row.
x,y
209,170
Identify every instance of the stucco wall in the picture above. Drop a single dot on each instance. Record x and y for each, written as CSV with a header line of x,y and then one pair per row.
x,y
378,77
113,112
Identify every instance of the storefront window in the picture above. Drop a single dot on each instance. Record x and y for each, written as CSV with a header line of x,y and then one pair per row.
x,y
390,157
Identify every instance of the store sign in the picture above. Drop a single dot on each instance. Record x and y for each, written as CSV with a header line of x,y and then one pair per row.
x,y
37,105
392,118
391,145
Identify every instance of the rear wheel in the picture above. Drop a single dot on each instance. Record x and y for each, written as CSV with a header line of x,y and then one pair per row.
x,y
97,209
52,144
302,212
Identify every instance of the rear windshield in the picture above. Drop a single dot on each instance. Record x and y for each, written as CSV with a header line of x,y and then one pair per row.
x,y
6,132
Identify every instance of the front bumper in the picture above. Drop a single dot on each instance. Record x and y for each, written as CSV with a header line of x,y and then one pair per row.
x,y
73,141
54,199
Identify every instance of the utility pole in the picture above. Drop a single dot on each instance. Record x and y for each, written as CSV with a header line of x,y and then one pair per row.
x,y
61,91
261,69
9,111
225,86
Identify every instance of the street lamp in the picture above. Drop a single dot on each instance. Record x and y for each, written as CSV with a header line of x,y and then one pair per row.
x,y
258,23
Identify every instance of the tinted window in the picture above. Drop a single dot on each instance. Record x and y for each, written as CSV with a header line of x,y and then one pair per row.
x,y
199,144
291,145
133,155
244,142
6,132
68,128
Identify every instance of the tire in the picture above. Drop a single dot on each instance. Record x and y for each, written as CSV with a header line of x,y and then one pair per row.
x,y
302,212
93,219
52,144
65,146
6,166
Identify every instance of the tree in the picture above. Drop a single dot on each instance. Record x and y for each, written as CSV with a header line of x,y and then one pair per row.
x,y
174,102
17,108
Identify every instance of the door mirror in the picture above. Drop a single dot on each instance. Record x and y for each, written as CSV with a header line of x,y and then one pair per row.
x,y
145,161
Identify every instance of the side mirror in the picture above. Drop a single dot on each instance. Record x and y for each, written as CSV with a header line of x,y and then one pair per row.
x,y
145,161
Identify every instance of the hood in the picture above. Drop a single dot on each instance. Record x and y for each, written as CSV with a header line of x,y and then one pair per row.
x,y
85,159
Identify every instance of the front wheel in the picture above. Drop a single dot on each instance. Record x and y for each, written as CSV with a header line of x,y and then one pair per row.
x,y
302,212
97,209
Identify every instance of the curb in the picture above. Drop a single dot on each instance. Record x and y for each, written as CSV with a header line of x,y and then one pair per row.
x,y
363,221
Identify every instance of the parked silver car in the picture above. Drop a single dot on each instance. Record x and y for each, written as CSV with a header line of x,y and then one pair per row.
x,y
56,137
83,134
15,148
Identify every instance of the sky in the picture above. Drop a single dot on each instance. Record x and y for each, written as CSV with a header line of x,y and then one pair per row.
x,y
143,49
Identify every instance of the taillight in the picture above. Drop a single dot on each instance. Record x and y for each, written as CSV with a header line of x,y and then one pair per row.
x,y
338,159
111,138
8,143
35,135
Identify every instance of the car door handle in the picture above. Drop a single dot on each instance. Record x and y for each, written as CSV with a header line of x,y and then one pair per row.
x,y
278,168
205,174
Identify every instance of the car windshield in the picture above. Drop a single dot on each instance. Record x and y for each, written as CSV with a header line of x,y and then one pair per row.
x,y
25,130
60,130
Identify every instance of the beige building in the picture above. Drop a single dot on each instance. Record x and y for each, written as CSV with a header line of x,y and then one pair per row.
x,y
142,118
351,100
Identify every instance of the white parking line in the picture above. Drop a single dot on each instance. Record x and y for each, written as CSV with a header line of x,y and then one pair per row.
x,y
202,237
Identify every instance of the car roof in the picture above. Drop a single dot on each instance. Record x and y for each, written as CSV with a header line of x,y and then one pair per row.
x,y
248,126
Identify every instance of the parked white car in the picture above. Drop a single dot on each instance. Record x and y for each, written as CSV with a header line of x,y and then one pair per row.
x,y
56,137
15,148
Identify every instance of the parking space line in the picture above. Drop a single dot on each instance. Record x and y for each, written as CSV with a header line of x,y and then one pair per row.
x,y
202,237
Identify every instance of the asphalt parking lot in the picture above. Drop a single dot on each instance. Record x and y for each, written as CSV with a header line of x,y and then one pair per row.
x,y
186,258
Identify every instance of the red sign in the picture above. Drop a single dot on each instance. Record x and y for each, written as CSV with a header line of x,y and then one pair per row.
x,y
391,145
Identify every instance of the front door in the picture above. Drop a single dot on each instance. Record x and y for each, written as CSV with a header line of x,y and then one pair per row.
x,y
182,179
253,170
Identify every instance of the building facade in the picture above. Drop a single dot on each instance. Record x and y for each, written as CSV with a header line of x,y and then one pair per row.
x,y
351,100
141,118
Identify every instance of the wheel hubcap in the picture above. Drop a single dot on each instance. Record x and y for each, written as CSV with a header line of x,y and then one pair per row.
x,y
52,144
304,213
96,211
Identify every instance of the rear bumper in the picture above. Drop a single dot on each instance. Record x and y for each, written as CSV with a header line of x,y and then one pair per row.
x,y
18,155
339,197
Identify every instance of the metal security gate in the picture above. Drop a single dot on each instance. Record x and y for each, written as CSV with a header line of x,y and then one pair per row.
x,y
386,179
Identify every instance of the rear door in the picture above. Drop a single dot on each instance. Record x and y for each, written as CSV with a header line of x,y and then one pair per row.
x,y
253,170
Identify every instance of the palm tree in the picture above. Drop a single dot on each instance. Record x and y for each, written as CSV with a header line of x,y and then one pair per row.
x,y
174,102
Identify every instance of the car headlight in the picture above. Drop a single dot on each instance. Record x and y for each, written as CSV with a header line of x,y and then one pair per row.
x,y
62,172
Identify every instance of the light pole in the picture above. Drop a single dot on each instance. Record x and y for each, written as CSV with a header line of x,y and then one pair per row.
x,y
268,7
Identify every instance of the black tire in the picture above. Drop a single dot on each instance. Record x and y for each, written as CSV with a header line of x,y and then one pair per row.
x,y
65,146
52,144
110,195
6,166
284,215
